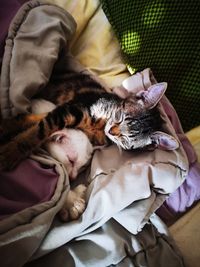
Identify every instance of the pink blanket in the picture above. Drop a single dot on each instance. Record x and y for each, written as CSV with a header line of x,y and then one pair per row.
x,y
17,192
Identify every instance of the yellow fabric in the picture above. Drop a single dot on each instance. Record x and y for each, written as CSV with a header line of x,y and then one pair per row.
x,y
194,137
94,43
187,236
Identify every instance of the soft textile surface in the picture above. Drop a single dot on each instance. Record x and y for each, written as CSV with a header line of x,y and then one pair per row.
x,y
7,12
194,137
165,36
112,245
187,235
17,192
188,194
124,188
17,91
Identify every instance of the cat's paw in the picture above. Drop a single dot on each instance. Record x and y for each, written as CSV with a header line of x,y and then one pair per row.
x,y
74,205
74,212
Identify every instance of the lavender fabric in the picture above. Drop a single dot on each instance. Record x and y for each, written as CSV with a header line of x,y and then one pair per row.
x,y
189,192
7,11
17,192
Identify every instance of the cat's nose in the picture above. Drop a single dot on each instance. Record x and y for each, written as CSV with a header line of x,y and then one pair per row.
x,y
114,130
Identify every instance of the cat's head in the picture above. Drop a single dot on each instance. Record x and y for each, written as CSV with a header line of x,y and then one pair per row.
x,y
137,123
72,148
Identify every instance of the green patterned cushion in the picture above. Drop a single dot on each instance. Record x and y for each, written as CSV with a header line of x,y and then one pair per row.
x,y
165,36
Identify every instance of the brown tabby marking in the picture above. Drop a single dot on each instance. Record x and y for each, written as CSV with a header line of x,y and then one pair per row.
x,y
94,130
65,98
82,103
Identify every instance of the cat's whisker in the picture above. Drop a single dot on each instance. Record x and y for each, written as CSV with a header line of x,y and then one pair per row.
x,y
119,148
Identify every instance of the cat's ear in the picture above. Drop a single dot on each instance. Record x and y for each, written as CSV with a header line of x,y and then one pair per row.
x,y
150,97
164,141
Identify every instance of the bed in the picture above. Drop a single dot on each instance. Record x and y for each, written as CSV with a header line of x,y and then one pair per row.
x,y
153,212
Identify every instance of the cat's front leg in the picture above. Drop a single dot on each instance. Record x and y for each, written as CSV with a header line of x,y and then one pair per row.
x,y
12,153
10,156
74,205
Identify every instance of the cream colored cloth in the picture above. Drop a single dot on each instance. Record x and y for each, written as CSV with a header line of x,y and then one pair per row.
x,y
94,43
187,236
185,231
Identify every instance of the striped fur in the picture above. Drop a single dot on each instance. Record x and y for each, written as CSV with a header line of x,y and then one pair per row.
x,y
82,103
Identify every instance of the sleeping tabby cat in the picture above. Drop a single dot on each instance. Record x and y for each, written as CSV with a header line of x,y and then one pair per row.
x,y
82,103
